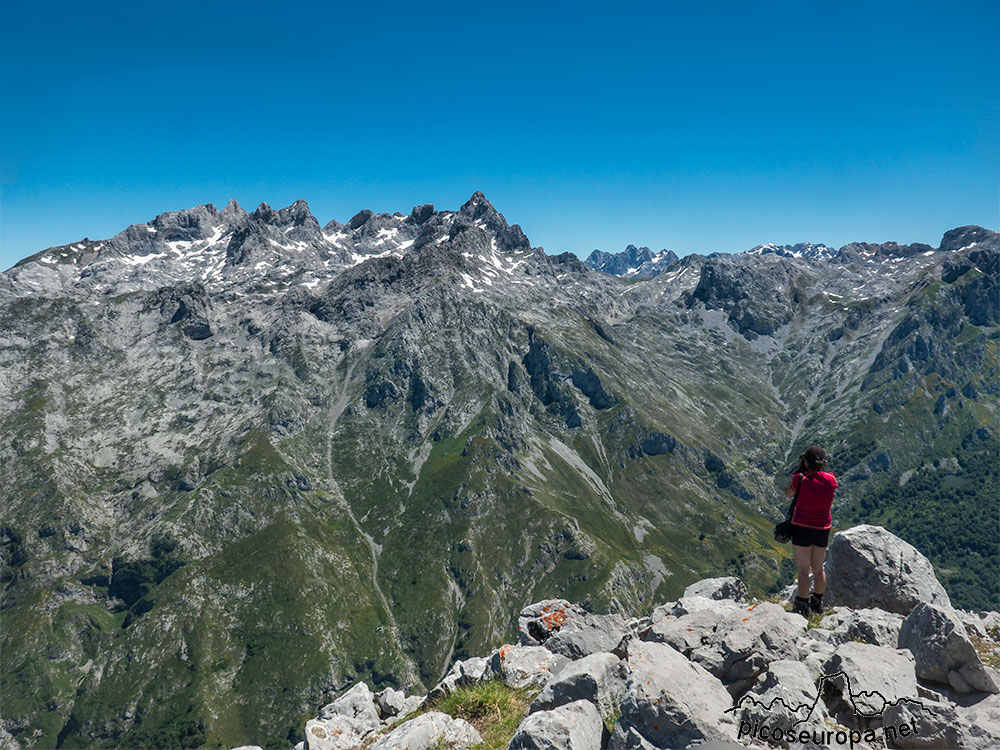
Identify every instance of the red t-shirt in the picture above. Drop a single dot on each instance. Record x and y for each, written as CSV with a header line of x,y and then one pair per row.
x,y
812,507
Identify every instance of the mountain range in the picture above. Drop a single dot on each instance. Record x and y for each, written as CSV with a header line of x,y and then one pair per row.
x,y
250,460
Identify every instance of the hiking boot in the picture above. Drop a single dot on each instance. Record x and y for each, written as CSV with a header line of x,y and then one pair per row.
x,y
801,606
815,603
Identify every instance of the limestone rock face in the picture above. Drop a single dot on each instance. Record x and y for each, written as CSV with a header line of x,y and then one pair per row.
x,y
525,666
462,672
572,726
943,651
568,629
874,626
868,679
598,678
785,697
357,704
431,730
670,701
867,566
730,587
335,733
733,643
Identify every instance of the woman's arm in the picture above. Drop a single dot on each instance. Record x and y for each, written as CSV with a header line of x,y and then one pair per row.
x,y
790,488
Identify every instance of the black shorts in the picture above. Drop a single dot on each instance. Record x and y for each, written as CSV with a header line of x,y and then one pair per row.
x,y
803,537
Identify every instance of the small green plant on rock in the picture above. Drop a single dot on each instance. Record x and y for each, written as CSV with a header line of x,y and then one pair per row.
x,y
493,708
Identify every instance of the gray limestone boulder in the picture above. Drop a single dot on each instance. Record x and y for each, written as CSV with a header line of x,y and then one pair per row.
x,y
390,702
943,651
525,666
867,679
462,673
687,605
537,622
568,629
982,624
943,724
745,642
874,626
598,678
684,633
357,704
628,738
572,726
430,731
785,697
867,566
729,587
671,702
334,733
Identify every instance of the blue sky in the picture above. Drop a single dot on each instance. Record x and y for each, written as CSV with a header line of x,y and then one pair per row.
x,y
694,127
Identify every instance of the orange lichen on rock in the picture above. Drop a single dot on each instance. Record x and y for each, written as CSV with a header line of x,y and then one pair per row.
x,y
554,620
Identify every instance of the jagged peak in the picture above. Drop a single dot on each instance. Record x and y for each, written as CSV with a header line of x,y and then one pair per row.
x,y
298,213
478,207
962,238
360,218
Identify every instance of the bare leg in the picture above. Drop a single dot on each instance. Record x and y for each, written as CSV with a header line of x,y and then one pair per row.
x,y
816,557
803,558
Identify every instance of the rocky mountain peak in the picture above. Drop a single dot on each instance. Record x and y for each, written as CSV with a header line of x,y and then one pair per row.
x,y
360,219
961,238
632,262
478,207
420,214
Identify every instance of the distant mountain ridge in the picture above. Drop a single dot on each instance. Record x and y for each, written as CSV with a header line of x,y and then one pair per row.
x,y
640,262
632,262
244,450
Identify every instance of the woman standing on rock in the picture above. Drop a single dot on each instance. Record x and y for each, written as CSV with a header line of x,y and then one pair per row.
x,y
811,523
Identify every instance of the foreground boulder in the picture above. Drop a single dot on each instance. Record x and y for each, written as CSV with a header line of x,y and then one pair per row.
x,y
946,725
873,626
598,678
670,702
943,651
335,733
573,726
734,643
357,704
730,587
868,679
431,730
866,566
568,629
785,697
462,673
524,666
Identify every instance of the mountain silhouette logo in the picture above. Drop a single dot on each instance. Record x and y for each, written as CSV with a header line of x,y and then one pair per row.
x,y
867,704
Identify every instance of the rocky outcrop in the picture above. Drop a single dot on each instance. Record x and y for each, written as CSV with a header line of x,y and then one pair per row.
x,y
428,732
730,587
866,566
716,666
943,651
572,726
598,678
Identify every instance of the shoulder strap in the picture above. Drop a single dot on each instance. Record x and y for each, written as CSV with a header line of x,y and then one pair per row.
x,y
791,508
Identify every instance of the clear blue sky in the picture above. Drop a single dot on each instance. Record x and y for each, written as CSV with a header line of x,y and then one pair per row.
x,y
689,126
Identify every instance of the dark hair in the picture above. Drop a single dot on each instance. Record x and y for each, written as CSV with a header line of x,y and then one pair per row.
x,y
813,458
